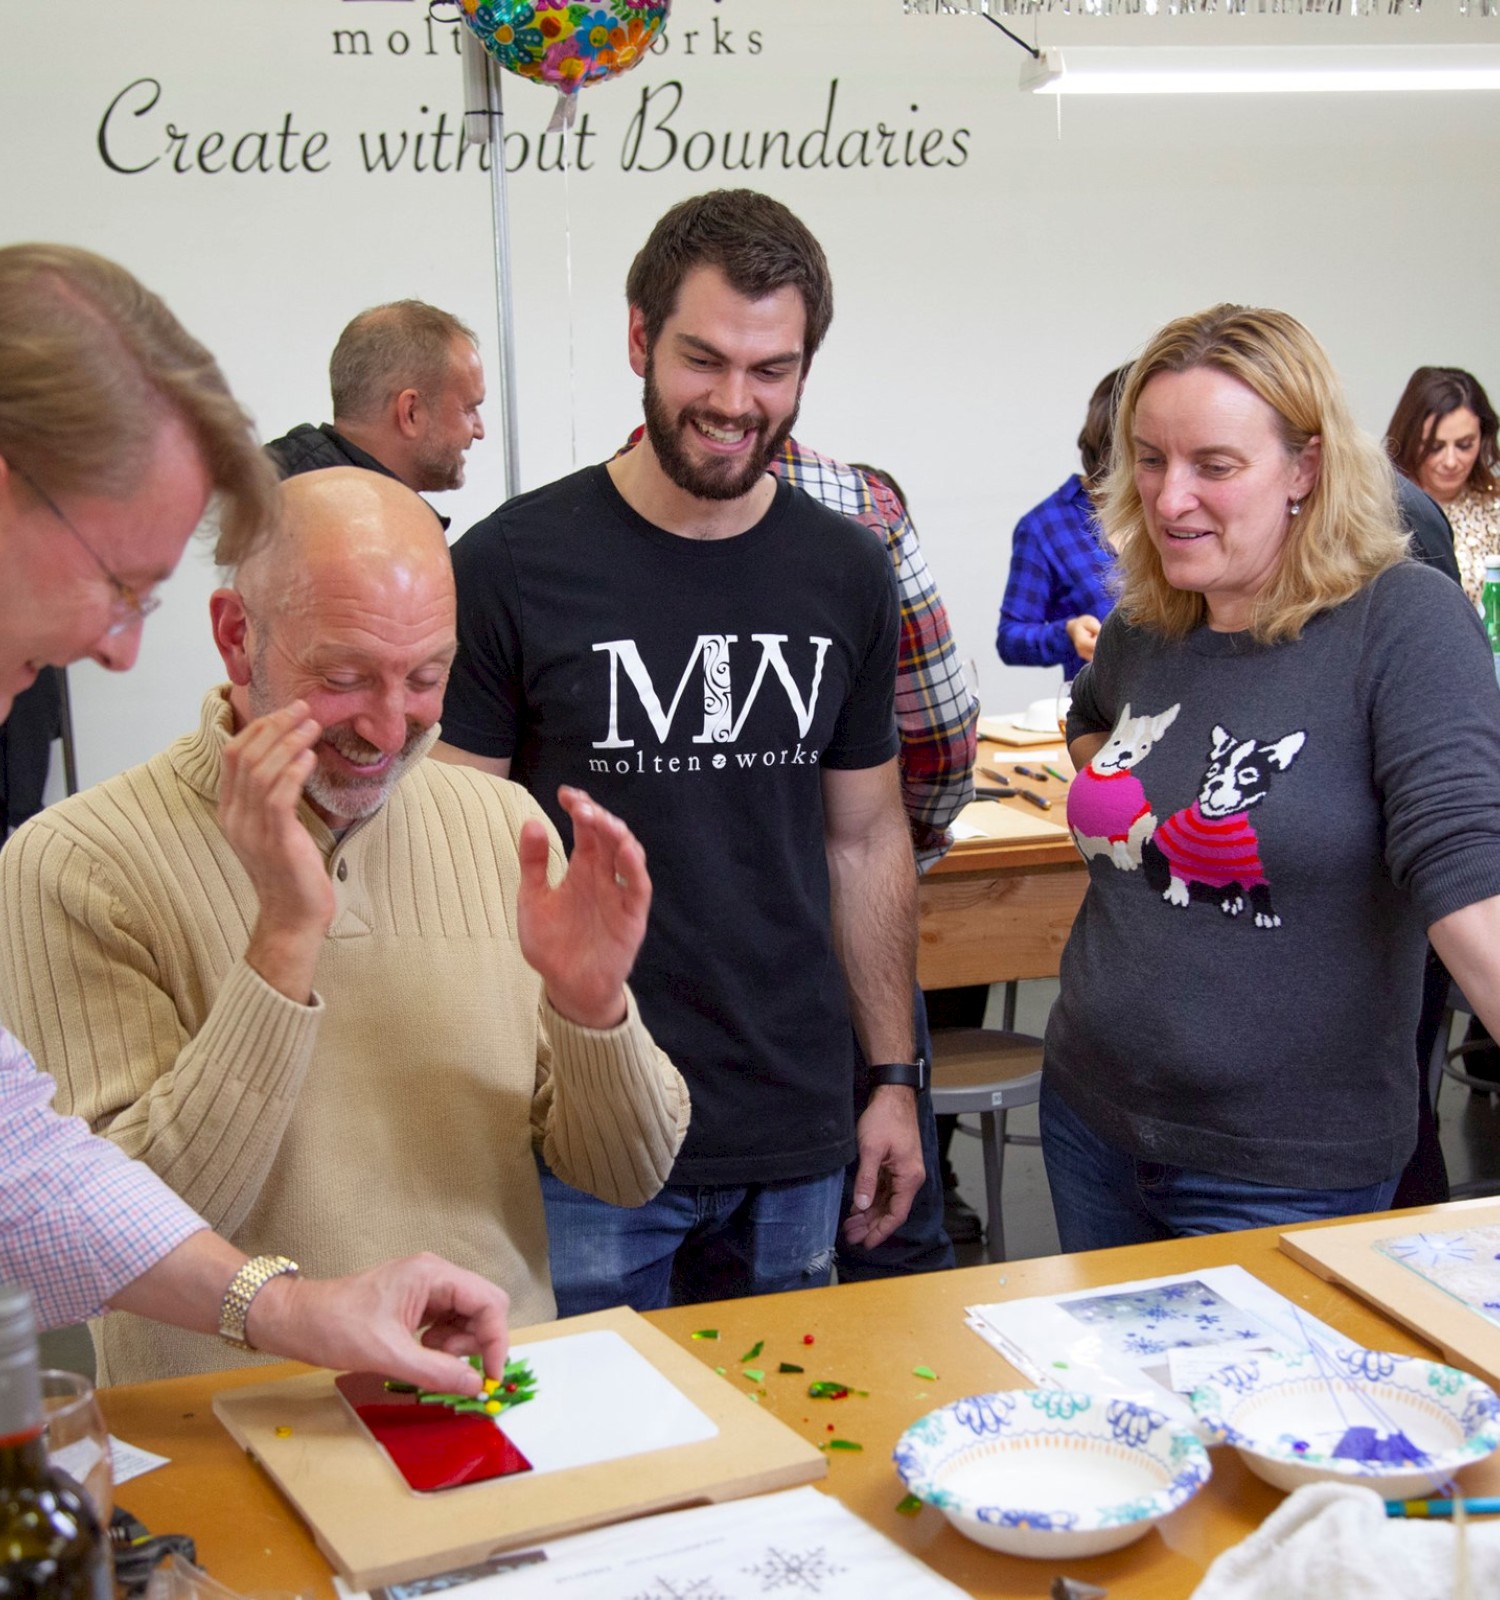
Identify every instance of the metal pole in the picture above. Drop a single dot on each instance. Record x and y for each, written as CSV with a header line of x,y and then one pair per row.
x,y
504,294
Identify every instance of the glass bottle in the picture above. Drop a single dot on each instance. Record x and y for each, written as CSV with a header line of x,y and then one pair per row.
x,y
50,1541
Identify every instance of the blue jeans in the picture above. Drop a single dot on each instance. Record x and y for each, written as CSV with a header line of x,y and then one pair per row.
x,y
920,1244
1102,1197
692,1242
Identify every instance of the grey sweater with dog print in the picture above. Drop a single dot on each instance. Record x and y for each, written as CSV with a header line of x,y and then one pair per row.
x,y
1241,987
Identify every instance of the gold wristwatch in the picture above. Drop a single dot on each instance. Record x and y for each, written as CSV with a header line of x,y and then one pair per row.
x,y
243,1288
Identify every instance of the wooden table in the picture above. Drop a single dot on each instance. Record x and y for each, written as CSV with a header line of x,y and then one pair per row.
x,y
994,910
869,1335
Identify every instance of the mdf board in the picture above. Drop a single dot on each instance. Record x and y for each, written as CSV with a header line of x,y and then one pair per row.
x,y
376,1532
1346,1255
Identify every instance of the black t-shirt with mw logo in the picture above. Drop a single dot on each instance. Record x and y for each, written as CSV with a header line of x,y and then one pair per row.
x,y
698,689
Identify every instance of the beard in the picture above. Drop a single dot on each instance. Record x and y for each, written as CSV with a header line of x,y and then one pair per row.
x,y
710,477
438,468
345,794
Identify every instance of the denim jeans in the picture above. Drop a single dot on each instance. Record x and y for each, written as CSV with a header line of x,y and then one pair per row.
x,y
920,1244
1102,1197
692,1242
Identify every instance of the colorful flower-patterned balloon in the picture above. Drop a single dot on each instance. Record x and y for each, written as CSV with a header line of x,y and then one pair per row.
x,y
566,43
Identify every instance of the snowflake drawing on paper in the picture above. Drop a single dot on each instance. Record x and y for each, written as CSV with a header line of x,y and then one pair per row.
x,y
1464,1263
682,1589
1174,1316
794,1571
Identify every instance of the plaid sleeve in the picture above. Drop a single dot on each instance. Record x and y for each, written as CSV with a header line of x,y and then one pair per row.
x,y
936,711
1032,633
78,1219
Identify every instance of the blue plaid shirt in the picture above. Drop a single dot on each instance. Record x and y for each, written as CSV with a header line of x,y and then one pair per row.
x,y
1058,570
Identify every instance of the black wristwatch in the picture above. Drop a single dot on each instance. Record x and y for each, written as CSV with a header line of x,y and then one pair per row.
x,y
909,1074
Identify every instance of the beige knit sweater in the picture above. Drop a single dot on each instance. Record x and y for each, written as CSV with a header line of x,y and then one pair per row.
x,y
396,1113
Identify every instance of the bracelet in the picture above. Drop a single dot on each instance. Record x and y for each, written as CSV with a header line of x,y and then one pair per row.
x,y
243,1288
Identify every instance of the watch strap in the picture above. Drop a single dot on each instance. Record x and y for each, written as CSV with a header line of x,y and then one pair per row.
x,y
243,1288
907,1074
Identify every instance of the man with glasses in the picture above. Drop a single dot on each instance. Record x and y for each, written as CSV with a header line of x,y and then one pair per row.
x,y
115,421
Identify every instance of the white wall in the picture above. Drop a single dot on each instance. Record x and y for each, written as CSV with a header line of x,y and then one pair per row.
x,y
977,303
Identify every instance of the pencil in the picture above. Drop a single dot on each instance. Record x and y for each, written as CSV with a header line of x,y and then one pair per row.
x,y
1056,774
1483,1506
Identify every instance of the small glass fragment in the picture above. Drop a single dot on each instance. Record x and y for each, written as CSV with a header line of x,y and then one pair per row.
x,y
790,1366
843,1444
720,1371
924,1372
754,1374
908,1505
754,1350
823,1390
706,1333
807,1338
283,1432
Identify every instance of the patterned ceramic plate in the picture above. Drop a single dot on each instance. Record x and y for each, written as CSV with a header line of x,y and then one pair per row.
x,y
1401,1425
1051,1473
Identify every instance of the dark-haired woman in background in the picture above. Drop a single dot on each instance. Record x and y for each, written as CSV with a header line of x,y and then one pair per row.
x,y
1443,438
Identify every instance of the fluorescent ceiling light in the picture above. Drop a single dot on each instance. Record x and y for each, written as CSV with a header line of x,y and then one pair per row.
x,y
1255,69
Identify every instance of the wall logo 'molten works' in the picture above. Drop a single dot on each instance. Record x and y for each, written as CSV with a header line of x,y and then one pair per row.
x,y
708,671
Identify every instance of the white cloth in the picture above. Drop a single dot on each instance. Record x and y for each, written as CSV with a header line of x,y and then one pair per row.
x,y
1334,1541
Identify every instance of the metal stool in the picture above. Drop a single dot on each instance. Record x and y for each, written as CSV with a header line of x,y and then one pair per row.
x,y
990,1072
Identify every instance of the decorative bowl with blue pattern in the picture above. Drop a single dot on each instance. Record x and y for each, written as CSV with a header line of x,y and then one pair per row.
x,y
1051,1473
1398,1424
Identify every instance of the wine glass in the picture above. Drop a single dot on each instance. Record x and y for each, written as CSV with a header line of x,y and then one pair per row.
x,y
77,1437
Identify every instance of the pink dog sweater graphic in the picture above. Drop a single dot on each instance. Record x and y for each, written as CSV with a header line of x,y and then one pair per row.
x,y
1106,805
1213,851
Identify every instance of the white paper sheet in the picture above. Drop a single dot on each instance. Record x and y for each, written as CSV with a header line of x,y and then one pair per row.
x,y
1116,1339
598,1399
797,1542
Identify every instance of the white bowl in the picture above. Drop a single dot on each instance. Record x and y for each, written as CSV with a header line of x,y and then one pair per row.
x,y
1051,1473
1401,1425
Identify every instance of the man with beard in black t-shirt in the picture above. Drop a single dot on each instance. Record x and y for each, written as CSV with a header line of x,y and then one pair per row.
x,y
712,654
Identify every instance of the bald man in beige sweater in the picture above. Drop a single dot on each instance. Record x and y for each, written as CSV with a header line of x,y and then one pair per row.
x,y
332,992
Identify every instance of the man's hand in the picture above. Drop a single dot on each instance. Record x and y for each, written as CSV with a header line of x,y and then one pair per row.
x,y
890,1166
1083,634
369,1322
583,935
266,765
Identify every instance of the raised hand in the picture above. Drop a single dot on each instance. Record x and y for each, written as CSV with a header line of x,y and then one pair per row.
x,y
265,767
582,934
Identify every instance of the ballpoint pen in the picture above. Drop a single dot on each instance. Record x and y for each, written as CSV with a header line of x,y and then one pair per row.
x,y
1040,801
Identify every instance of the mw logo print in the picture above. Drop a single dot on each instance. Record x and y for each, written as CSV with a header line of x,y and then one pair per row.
x,y
710,687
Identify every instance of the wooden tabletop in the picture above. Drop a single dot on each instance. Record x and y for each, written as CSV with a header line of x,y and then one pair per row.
x,y
869,1336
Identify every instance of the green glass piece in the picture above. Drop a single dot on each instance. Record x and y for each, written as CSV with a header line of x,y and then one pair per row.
x,y
705,1333
924,1372
908,1505
844,1444
754,1374
754,1350
790,1366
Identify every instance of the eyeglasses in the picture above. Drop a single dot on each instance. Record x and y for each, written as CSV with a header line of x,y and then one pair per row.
x,y
129,605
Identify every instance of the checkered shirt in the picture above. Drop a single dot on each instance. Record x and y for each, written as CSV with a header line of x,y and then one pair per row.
x,y
1058,570
78,1219
936,712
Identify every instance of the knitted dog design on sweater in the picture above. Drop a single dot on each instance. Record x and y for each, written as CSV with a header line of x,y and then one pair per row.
x,y
1107,807
1210,851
